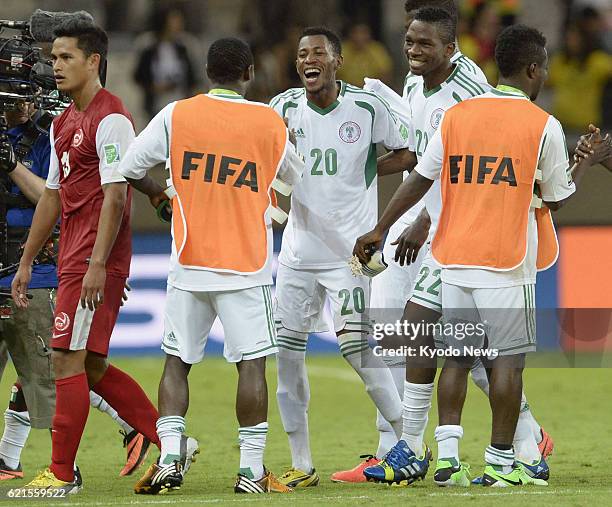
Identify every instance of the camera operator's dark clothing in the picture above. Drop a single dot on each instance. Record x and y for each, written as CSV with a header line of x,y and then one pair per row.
x,y
37,161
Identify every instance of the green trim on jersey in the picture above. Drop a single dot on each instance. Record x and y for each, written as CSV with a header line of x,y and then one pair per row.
x,y
368,107
331,107
435,89
291,93
463,60
371,166
359,91
287,105
323,111
226,94
464,76
512,90
167,140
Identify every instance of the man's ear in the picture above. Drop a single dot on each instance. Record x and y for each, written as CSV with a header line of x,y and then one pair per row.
x,y
95,61
450,49
532,70
249,75
339,61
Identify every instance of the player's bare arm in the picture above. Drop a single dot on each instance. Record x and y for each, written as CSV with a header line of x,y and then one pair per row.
x,y
115,196
45,217
151,188
411,240
396,161
406,196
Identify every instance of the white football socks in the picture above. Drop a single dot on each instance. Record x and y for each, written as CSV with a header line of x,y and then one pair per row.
x,y
252,441
448,437
293,395
386,434
169,429
416,404
376,376
505,459
525,444
16,431
96,401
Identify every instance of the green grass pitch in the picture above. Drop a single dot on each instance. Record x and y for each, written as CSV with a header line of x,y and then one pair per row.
x,y
572,404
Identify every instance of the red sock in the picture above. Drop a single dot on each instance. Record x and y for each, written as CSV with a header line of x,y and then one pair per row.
x,y
71,410
124,394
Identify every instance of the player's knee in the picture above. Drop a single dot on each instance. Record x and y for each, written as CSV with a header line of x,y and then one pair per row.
x,y
68,363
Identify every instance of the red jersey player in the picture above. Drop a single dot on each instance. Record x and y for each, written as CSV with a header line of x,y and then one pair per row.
x,y
88,140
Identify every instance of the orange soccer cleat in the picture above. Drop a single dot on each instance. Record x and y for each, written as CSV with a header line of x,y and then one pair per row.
x,y
355,474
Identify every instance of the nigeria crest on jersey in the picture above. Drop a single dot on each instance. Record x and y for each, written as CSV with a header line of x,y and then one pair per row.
x,y
350,132
436,118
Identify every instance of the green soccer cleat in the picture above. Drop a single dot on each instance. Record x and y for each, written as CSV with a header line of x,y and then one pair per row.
x,y
494,477
450,472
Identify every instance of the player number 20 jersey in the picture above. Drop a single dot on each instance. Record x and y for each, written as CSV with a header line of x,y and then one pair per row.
x,y
336,200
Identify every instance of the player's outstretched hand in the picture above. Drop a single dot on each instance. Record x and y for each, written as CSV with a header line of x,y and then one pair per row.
x,y
367,244
410,242
92,291
19,286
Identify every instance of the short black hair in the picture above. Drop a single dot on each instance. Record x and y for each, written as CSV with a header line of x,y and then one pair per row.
x,y
91,39
517,47
228,59
445,24
449,6
332,37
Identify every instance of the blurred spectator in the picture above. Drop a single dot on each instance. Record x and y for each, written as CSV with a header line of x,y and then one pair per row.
x,y
265,85
364,57
285,53
164,69
478,43
579,74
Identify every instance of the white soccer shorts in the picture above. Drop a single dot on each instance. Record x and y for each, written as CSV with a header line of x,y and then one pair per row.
x,y
245,314
427,290
507,313
301,294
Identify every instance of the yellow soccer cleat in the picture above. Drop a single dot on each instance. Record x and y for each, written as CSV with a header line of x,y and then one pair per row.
x,y
47,480
295,478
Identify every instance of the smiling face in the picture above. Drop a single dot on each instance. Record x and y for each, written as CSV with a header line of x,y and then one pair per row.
x,y
71,68
317,63
424,49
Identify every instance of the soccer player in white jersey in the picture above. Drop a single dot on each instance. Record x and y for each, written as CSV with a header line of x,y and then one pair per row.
x,y
418,281
393,287
537,139
337,127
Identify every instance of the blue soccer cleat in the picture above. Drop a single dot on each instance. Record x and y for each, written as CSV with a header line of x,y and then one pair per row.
x,y
538,470
400,464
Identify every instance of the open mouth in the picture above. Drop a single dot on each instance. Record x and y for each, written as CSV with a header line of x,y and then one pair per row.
x,y
311,75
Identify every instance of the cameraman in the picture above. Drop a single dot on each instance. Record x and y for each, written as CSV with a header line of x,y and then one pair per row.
x,y
26,334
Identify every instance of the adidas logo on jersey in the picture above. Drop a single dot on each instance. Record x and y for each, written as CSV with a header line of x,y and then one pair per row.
x,y
300,133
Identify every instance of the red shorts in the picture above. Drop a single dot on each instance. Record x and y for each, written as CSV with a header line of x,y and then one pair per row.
x,y
78,328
